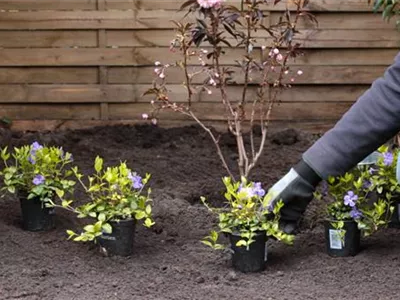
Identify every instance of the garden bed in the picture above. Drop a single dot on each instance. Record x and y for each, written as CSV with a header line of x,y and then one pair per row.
x,y
169,261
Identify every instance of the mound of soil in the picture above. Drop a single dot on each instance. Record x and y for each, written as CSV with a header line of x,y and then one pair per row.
x,y
169,262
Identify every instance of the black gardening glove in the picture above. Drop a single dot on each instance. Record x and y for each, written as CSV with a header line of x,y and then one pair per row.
x,y
295,190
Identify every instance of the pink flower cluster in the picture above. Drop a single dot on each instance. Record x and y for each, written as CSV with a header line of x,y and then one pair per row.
x,y
209,3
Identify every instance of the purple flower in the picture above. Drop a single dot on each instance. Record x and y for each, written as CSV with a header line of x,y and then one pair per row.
x,y
258,190
366,184
38,179
355,213
350,199
371,171
387,158
31,159
34,148
136,180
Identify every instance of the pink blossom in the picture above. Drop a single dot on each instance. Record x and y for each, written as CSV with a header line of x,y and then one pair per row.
x,y
145,116
276,51
292,79
162,75
157,63
299,72
209,3
154,121
279,57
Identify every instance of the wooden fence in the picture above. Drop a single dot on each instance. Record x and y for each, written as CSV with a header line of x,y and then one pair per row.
x,y
75,63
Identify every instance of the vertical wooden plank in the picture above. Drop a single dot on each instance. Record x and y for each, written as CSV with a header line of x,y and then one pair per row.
x,y
102,43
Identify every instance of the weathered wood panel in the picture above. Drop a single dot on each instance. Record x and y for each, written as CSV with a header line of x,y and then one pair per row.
x,y
69,63
50,112
123,93
283,111
311,75
48,39
53,75
316,5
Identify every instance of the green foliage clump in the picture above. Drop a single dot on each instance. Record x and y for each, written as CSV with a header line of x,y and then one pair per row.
x,y
116,193
246,213
36,171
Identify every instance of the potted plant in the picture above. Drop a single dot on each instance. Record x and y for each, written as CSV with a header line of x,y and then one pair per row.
x,y
384,180
247,220
36,173
116,202
353,211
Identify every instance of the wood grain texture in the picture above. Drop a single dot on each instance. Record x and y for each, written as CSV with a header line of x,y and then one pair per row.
x,y
77,63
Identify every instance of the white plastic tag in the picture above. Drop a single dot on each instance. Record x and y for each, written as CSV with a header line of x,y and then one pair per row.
x,y
335,241
266,252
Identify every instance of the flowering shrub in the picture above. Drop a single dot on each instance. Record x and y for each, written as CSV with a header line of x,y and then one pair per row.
x,y
246,214
37,171
354,199
383,173
116,193
219,25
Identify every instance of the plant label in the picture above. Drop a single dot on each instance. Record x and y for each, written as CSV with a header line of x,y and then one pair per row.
x,y
266,252
335,240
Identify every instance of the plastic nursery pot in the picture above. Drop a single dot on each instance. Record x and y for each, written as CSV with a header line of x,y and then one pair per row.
x,y
35,216
251,260
120,241
339,246
395,219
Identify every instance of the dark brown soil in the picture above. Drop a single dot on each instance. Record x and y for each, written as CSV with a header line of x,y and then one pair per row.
x,y
169,261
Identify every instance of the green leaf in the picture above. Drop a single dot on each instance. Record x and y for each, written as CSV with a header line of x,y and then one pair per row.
x,y
107,228
89,228
148,222
140,215
60,193
101,217
148,210
241,243
98,164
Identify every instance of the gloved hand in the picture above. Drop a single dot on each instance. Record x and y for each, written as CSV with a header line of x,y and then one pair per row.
x,y
295,190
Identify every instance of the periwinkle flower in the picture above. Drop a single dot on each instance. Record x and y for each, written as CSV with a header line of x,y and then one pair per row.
x,y
34,148
38,179
350,199
371,171
355,213
258,190
366,184
136,180
387,158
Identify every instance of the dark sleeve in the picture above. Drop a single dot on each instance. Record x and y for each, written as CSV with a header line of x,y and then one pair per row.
x,y
370,122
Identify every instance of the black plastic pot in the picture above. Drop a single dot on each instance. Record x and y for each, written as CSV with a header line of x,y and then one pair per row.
x,y
251,260
120,241
35,216
349,245
395,219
